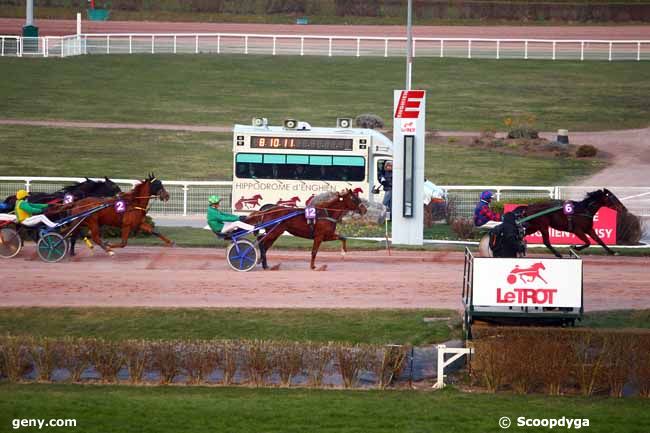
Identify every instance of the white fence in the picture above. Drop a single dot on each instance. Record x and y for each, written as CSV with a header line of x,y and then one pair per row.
x,y
302,45
190,197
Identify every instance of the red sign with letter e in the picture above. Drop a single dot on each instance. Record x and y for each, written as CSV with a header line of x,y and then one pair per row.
x,y
409,104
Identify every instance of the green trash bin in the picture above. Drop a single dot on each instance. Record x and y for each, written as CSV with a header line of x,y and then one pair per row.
x,y
30,45
98,14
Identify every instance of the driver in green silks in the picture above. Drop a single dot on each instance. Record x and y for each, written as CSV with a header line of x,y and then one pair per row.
x,y
222,222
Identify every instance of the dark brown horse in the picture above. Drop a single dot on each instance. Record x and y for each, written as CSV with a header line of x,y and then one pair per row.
x,y
328,214
578,218
127,212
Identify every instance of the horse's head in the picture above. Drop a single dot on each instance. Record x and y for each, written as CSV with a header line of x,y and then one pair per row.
x,y
107,188
612,202
351,201
156,187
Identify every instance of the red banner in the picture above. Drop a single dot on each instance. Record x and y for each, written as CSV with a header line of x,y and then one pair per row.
x,y
604,225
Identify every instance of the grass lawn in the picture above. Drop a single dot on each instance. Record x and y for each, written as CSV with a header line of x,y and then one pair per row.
x,y
211,89
128,153
341,325
196,409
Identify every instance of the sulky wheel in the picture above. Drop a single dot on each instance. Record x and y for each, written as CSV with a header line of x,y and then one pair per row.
x,y
10,243
52,247
242,255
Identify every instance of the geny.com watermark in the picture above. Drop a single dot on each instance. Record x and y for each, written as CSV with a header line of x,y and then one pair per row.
x,y
551,423
40,423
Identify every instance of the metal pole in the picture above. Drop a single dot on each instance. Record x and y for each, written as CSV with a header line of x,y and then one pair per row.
x,y
409,45
29,13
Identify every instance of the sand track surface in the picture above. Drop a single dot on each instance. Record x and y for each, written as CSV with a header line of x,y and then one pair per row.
x,y
200,277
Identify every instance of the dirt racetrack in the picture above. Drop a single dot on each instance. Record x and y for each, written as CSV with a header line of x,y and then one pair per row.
x,y
13,26
200,277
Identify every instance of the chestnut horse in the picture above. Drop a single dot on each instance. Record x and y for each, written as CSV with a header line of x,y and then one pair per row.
x,y
580,221
323,228
127,212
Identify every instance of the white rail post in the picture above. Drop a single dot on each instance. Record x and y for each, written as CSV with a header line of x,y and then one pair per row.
x,y
2,52
46,49
498,48
442,48
27,184
386,47
62,43
610,51
19,47
638,50
246,44
582,50
413,46
526,50
196,44
153,44
218,44
130,44
174,44
274,45
469,49
108,44
185,189
358,46
553,50
442,363
498,194
330,48
302,45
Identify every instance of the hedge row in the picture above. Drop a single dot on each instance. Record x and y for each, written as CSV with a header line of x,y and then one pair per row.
x,y
562,361
572,10
257,362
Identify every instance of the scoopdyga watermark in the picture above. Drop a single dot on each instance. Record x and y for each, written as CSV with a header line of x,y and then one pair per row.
x,y
550,423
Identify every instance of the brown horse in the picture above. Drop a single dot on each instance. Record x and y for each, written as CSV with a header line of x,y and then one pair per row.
x,y
323,228
127,211
580,221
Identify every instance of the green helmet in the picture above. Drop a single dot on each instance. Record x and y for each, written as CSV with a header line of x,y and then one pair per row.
x,y
213,199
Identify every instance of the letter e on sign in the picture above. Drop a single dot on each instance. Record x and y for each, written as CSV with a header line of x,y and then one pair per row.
x,y
409,103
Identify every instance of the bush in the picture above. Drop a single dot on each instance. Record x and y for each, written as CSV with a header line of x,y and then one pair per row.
x,y
586,151
522,127
629,229
370,121
463,228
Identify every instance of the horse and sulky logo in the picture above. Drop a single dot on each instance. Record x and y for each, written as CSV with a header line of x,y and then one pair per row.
x,y
527,277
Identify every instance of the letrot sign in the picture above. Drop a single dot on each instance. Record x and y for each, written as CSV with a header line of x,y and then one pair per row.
x,y
408,169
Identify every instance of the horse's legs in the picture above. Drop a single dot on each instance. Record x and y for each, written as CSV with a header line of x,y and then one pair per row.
x,y
95,234
314,251
595,237
146,227
344,243
583,237
547,242
266,241
124,236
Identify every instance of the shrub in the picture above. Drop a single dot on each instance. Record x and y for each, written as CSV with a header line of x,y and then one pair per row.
x,y
350,361
76,356
166,355
388,364
230,354
463,228
108,359
522,127
44,353
289,361
629,229
138,358
641,364
258,361
370,121
317,358
586,151
14,357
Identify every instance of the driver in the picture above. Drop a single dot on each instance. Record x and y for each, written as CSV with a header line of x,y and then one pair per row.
x,y
222,222
483,215
26,212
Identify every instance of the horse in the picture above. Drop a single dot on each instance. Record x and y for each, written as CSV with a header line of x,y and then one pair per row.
x,y
87,188
579,222
328,214
127,212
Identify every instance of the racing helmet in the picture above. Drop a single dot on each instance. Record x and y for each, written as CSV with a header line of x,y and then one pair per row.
x,y
486,195
21,194
214,199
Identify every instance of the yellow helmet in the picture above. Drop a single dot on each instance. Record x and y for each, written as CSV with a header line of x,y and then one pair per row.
x,y
21,194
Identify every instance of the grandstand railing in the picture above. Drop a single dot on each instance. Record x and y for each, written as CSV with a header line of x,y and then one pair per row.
x,y
189,198
301,45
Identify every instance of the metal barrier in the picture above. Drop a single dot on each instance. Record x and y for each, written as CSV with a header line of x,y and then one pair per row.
x,y
189,197
302,45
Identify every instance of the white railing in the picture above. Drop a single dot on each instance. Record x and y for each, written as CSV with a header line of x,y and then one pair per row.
x,y
188,198
301,45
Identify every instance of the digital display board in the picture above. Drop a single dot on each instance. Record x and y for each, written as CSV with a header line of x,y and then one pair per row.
x,y
301,143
